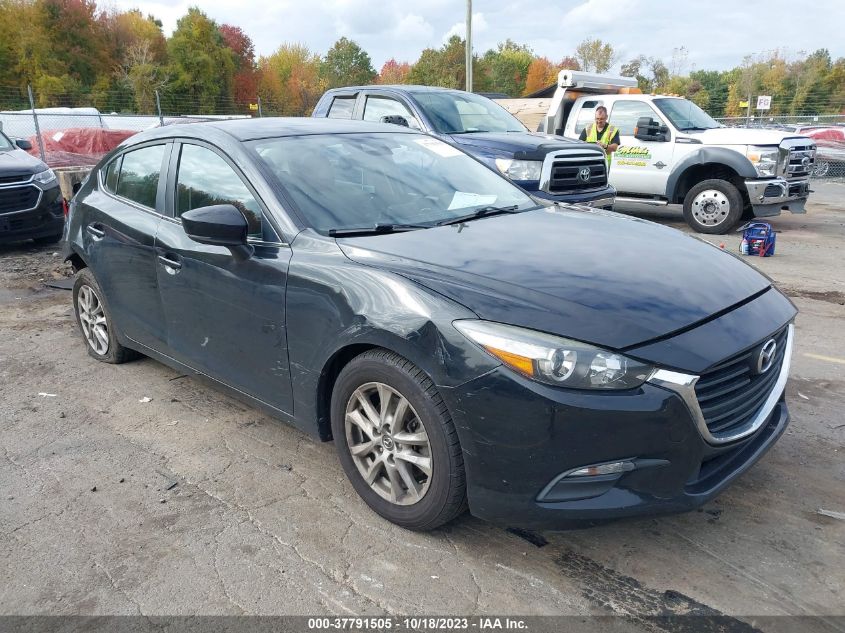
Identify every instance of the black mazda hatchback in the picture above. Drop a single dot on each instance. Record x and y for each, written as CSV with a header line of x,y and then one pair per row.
x,y
461,343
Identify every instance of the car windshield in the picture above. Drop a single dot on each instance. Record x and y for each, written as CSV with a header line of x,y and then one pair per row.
x,y
5,143
347,181
685,115
464,113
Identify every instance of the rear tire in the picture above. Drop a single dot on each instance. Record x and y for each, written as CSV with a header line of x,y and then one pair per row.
x,y
713,206
94,320
396,441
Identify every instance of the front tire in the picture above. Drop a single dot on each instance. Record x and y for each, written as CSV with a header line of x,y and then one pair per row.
x,y
95,322
396,441
713,206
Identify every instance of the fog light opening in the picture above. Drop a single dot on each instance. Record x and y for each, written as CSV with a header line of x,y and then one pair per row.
x,y
611,468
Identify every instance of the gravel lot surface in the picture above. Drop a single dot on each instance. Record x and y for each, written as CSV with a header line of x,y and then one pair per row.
x,y
193,503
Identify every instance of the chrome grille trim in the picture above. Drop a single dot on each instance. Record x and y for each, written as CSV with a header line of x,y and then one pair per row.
x,y
684,385
569,158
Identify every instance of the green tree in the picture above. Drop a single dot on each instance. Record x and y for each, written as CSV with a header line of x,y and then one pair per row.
x,y
595,56
506,67
445,67
201,66
347,64
289,80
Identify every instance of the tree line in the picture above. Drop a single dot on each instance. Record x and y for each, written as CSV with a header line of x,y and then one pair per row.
x,y
74,54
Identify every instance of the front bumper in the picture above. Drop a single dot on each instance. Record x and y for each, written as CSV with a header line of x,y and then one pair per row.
x,y
520,439
523,442
770,197
602,198
45,219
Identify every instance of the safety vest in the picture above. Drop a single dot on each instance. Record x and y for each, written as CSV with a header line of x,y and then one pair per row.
x,y
607,135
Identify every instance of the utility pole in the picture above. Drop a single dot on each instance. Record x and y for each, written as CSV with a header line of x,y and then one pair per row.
x,y
469,47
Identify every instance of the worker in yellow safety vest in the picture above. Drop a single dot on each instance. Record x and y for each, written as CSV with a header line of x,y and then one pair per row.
x,y
602,133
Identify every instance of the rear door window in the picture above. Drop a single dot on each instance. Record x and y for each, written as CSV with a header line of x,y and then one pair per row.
x,y
342,108
112,172
139,175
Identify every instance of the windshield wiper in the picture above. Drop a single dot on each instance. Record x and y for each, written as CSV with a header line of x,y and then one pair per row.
x,y
693,127
467,131
376,229
479,213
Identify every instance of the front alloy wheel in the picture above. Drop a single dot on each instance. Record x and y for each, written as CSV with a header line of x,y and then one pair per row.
x,y
388,443
396,441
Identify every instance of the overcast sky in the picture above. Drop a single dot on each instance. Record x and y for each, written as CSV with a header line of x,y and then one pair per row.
x,y
716,33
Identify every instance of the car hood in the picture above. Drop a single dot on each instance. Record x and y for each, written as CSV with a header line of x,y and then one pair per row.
x,y
17,162
739,136
519,145
591,275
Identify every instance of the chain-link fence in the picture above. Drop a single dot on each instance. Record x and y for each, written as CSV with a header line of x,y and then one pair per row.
x,y
71,136
78,136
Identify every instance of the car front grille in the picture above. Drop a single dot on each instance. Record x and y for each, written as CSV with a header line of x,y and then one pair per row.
x,y
8,180
568,173
18,198
800,161
733,392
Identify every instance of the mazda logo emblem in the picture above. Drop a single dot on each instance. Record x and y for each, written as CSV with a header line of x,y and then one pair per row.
x,y
584,174
767,356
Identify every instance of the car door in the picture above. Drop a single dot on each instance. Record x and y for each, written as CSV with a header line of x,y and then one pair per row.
x,y
225,314
639,166
123,213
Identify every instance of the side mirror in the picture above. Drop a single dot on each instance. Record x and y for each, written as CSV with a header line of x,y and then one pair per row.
x,y
395,119
218,225
650,130
25,145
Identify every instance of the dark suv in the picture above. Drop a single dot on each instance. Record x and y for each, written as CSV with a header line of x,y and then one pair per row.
x,y
546,166
31,204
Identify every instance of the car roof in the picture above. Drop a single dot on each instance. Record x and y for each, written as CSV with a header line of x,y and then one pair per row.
x,y
267,127
398,88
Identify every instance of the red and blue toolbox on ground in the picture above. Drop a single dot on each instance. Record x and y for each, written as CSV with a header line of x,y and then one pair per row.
x,y
758,238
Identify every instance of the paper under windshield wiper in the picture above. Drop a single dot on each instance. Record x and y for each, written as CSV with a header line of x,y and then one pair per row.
x,y
479,213
376,229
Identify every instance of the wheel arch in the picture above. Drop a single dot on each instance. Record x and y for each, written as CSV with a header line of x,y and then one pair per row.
x,y
705,164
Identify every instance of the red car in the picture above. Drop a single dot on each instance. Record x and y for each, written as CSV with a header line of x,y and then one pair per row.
x,y
830,150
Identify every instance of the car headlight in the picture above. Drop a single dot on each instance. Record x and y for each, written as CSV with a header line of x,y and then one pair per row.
x,y
764,158
45,177
520,169
554,360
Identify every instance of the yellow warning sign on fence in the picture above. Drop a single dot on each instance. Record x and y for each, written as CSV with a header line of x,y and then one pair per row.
x,y
253,106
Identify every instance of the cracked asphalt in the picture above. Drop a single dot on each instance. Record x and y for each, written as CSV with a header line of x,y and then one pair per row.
x,y
194,503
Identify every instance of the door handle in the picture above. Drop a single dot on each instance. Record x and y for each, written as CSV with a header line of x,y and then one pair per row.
x,y
172,266
660,164
96,231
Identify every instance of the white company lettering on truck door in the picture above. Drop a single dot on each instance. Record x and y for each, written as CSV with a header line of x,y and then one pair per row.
x,y
639,166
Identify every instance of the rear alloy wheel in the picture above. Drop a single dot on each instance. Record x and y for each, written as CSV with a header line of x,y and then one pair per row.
x,y
94,320
713,206
396,441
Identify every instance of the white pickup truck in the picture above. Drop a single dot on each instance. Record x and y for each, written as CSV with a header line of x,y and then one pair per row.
x,y
673,152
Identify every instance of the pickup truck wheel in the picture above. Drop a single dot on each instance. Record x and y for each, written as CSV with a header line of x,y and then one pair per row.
x,y
713,206
396,441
